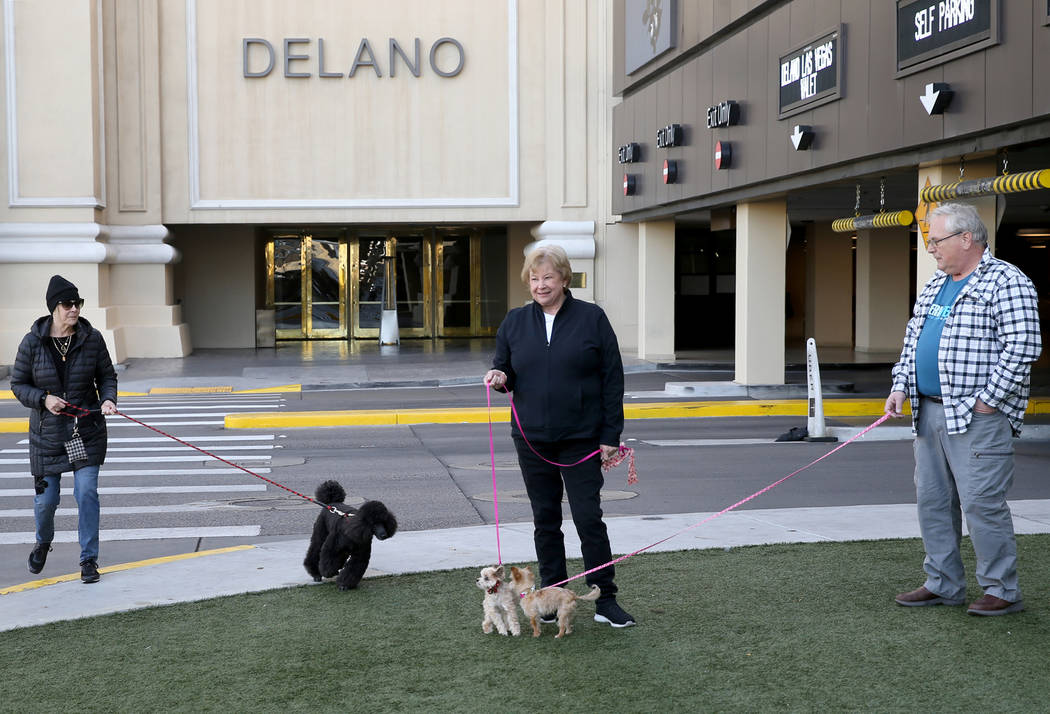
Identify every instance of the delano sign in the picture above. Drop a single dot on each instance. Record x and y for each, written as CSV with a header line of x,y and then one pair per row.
x,y
259,56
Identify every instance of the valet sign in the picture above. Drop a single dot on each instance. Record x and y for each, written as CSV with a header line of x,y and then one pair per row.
x,y
927,29
811,73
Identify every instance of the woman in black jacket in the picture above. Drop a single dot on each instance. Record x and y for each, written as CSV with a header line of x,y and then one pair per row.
x,y
63,361
560,358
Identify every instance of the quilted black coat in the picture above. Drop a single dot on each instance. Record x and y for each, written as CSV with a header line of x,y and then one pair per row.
x,y
90,380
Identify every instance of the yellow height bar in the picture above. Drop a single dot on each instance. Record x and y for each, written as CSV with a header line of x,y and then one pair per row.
x,y
876,220
1008,183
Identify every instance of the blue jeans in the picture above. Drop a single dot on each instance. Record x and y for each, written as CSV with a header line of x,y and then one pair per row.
x,y
85,491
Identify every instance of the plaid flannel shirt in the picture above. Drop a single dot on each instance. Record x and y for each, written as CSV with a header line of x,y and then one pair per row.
x,y
987,345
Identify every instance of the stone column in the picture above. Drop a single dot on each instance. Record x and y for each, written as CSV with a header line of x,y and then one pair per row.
x,y
656,291
761,248
882,289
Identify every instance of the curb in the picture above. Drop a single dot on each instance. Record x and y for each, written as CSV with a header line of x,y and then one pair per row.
x,y
480,415
656,410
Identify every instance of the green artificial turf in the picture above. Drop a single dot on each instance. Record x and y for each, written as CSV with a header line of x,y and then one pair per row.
x,y
765,628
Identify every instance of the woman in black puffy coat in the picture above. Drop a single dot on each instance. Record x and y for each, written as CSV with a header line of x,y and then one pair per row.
x,y
63,362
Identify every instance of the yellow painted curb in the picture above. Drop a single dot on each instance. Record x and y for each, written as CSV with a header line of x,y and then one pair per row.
x,y
296,388
123,566
6,394
190,390
14,425
650,410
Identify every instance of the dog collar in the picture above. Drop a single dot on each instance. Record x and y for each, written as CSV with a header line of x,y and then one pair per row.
x,y
493,589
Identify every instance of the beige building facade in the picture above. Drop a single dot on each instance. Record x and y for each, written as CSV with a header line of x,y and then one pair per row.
x,y
227,173
222,173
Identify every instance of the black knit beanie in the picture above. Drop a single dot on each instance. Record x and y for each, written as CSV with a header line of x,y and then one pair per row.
x,y
60,289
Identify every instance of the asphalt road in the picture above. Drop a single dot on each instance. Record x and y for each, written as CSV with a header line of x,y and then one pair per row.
x,y
430,476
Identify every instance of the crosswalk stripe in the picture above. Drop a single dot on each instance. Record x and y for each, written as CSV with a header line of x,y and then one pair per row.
x,y
108,536
152,459
125,490
173,447
174,415
137,410
126,510
190,439
125,422
108,472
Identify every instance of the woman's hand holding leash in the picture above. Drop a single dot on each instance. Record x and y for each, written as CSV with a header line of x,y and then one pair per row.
x,y
54,404
496,379
109,407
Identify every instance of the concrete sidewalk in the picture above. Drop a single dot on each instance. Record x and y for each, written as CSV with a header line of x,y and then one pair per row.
x,y
243,569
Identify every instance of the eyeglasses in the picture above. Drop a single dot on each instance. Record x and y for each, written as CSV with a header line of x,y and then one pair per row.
x,y
70,304
932,241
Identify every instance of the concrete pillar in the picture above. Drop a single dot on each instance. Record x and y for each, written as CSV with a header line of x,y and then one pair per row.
x,y
829,286
882,289
761,248
656,290
948,172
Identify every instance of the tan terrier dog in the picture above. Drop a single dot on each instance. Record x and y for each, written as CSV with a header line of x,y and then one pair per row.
x,y
537,603
499,603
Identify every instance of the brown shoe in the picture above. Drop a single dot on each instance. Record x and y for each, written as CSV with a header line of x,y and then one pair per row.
x,y
923,598
992,605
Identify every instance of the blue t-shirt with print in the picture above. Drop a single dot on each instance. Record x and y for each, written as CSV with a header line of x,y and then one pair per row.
x,y
927,373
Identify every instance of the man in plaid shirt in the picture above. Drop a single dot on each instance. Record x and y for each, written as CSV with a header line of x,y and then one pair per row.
x,y
965,366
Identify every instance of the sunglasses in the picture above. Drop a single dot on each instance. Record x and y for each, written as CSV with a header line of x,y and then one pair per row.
x,y
70,304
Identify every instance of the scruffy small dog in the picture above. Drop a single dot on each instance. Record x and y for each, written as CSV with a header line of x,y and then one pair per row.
x,y
500,603
341,545
537,603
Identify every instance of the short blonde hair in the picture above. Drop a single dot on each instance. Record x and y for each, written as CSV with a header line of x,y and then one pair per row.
x,y
553,254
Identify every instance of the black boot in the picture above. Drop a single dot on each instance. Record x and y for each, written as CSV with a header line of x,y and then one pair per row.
x,y
38,556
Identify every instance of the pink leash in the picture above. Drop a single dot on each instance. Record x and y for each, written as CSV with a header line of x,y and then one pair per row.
x,y
739,503
625,452
632,478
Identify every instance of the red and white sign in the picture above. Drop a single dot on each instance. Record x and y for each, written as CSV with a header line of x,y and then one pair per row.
x,y
723,155
670,171
628,185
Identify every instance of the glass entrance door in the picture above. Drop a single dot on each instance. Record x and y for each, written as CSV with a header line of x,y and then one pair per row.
x,y
411,253
471,282
446,282
306,285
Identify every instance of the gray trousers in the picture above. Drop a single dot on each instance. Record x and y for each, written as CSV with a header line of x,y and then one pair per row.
x,y
973,470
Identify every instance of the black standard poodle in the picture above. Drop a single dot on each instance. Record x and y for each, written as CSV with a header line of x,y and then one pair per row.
x,y
343,544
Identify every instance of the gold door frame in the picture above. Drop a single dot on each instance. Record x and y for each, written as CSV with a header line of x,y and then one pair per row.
x,y
306,329
474,262
390,240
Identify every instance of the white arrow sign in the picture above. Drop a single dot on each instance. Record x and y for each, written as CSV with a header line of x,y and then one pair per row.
x,y
801,137
937,97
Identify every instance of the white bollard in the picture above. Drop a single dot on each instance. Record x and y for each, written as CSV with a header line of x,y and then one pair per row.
x,y
815,428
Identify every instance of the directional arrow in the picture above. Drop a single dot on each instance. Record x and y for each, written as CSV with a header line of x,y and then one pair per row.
x,y
802,137
937,98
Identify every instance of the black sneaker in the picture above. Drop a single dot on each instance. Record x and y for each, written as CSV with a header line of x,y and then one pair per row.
x,y
549,618
611,613
38,556
89,571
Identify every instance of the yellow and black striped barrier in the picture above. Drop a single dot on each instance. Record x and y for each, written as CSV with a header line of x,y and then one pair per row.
x,y
896,219
991,186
